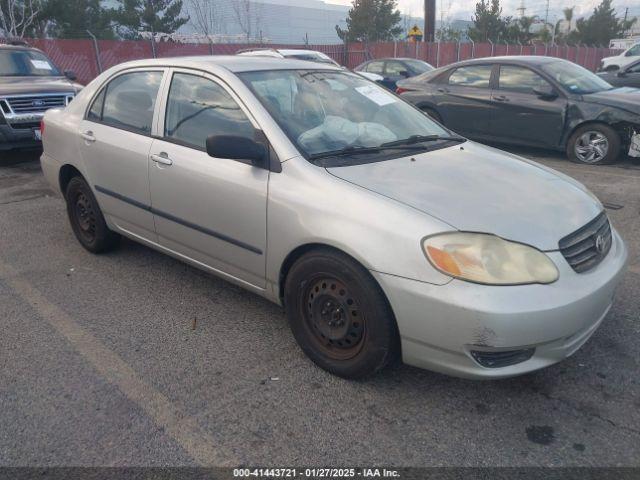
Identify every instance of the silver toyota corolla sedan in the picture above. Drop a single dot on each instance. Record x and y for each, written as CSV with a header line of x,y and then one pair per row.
x,y
382,233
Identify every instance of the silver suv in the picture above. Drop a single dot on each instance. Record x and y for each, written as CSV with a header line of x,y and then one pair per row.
x,y
30,84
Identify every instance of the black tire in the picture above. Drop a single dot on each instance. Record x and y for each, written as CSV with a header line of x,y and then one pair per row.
x,y
339,315
86,218
612,68
613,144
433,114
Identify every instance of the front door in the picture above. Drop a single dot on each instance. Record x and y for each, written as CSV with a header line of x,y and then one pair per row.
x,y
211,210
114,141
522,115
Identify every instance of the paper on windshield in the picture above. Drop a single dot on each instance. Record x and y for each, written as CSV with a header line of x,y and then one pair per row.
x,y
376,95
41,64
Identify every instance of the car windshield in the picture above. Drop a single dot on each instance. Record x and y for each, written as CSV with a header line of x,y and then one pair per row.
x,y
418,66
325,112
26,63
575,78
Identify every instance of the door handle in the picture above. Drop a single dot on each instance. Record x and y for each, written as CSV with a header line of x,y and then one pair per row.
x,y
501,98
443,90
163,159
88,136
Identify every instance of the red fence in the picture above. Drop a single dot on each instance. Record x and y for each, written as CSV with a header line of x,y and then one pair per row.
x,y
87,58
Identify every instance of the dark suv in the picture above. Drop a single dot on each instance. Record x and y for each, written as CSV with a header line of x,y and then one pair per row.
x,y
30,84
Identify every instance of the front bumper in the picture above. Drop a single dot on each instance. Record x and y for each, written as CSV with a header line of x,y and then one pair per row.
x,y
440,325
19,134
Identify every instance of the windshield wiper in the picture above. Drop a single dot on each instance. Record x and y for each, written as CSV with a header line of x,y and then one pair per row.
x,y
355,150
413,139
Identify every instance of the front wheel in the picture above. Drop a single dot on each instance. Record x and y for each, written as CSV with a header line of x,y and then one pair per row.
x,y
595,144
339,315
86,218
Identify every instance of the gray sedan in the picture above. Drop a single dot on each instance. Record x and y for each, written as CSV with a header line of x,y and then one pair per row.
x,y
382,234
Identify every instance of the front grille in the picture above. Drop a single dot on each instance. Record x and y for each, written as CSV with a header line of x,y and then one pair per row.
x,y
25,125
36,103
586,247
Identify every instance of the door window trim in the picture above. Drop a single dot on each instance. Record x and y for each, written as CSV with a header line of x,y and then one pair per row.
x,y
104,87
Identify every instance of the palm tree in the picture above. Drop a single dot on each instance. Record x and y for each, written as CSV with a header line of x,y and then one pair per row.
x,y
525,27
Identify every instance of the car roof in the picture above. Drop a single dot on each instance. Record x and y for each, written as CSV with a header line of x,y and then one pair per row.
x,y
233,63
23,48
512,59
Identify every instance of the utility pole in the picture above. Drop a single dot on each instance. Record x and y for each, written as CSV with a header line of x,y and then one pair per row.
x,y
546,16
429,20
624,22
521,9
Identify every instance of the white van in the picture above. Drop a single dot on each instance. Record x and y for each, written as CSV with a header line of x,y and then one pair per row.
x,y
618,62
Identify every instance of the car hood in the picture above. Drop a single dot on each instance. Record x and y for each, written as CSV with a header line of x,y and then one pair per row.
x,y
481,189
24,85
626,98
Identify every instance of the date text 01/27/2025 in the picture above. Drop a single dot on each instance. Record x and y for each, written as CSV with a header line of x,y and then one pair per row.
x,y
315,473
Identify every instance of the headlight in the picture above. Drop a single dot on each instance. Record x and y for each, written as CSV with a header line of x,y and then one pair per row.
x,y
484,258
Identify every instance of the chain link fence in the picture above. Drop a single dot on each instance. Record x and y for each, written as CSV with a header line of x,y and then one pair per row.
x,y
87,57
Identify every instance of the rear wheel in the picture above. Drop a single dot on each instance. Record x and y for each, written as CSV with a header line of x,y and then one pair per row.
x,y
339,315
86,218
595,144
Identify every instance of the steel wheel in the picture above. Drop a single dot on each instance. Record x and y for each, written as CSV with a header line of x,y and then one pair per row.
x,y
334,318
85,216
591,147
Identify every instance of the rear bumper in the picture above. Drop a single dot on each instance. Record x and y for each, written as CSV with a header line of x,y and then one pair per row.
x,y
441,325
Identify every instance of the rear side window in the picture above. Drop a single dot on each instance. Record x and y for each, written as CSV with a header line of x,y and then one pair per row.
x,y
520,79
473,76
128,102
375,67
198,107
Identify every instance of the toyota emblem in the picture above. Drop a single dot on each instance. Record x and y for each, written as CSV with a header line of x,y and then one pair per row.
x,y
600,243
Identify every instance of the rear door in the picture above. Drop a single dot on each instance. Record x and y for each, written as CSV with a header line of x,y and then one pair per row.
x,y
463,99
114,140
211,210
523,116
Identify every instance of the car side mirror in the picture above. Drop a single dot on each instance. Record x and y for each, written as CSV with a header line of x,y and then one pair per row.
x,y
234,147
546,92
71,75
621,73
404,74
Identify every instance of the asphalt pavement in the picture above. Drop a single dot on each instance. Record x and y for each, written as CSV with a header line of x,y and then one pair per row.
x,y
135,359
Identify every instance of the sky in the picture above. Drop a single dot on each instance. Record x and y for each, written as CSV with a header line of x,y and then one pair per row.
x,y
463,9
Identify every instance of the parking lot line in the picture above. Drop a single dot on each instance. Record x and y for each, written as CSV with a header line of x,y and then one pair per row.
x,y
179,426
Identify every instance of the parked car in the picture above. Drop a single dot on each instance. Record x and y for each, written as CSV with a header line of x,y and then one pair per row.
x,y
618,62
298,54
380,231
536,101
30,84
629,76
394,69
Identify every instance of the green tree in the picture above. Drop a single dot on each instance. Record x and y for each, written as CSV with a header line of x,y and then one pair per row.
x,y
72,19
155,16
372,21
488,23
600,27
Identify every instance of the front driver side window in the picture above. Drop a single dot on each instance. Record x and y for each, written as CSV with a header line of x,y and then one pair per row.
x,y
520,79
197,108
633,51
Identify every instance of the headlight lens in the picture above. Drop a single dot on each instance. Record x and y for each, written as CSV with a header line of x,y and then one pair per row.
x,y
484,258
